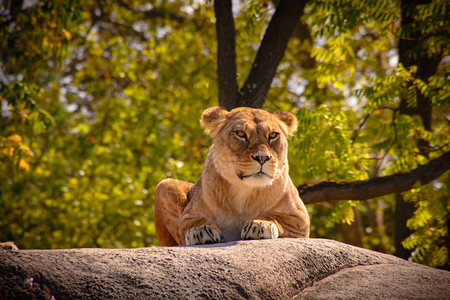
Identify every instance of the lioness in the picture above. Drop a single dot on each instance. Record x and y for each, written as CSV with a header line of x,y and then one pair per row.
x,y
244,192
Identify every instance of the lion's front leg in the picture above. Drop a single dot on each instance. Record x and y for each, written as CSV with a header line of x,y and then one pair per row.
x,y
294,224
197,230
259,229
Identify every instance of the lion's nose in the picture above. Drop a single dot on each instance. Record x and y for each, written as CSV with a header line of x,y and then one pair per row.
x,y
262,159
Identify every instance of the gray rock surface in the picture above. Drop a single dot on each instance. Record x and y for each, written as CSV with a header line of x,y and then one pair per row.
x,y
267,269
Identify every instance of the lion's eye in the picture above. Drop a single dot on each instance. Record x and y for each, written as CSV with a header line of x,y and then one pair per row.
x,y
273,135
241,134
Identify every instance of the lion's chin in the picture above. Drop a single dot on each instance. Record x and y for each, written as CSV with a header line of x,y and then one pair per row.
x,y
257,180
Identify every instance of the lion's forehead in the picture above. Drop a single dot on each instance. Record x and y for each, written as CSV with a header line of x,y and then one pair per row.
x,y
255,120
256,115
262,128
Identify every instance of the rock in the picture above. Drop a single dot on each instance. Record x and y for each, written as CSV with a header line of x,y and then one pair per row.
x,y
268,269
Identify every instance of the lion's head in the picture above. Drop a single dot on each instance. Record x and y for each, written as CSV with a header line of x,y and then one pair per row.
x,y
249,145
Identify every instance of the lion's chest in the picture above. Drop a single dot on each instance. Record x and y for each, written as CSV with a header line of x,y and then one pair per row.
x,y
231,226
243,207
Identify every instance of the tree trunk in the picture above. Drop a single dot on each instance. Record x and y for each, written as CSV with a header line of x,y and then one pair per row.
x,y
270,52
226,54
411,54
403,212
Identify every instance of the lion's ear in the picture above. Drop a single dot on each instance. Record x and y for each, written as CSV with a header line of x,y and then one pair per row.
x,y
289,119
212,118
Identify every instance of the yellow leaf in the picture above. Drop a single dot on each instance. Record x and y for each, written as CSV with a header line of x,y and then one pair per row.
x,y
27,151
8,151
15,139
24,165
45,41
67,34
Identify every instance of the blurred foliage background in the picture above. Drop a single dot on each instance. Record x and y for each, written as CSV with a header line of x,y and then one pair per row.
x,y
100,101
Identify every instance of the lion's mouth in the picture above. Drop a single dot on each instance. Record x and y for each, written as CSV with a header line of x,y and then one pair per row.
x,y
259,174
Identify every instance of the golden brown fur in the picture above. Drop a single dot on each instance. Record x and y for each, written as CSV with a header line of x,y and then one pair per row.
x,y
8,246
244,192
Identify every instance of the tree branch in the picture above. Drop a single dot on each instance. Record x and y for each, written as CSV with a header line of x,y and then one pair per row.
x,y
270,53
226,54
375,187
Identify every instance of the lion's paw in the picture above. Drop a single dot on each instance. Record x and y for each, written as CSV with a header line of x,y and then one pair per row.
x,y
205,234
259,229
